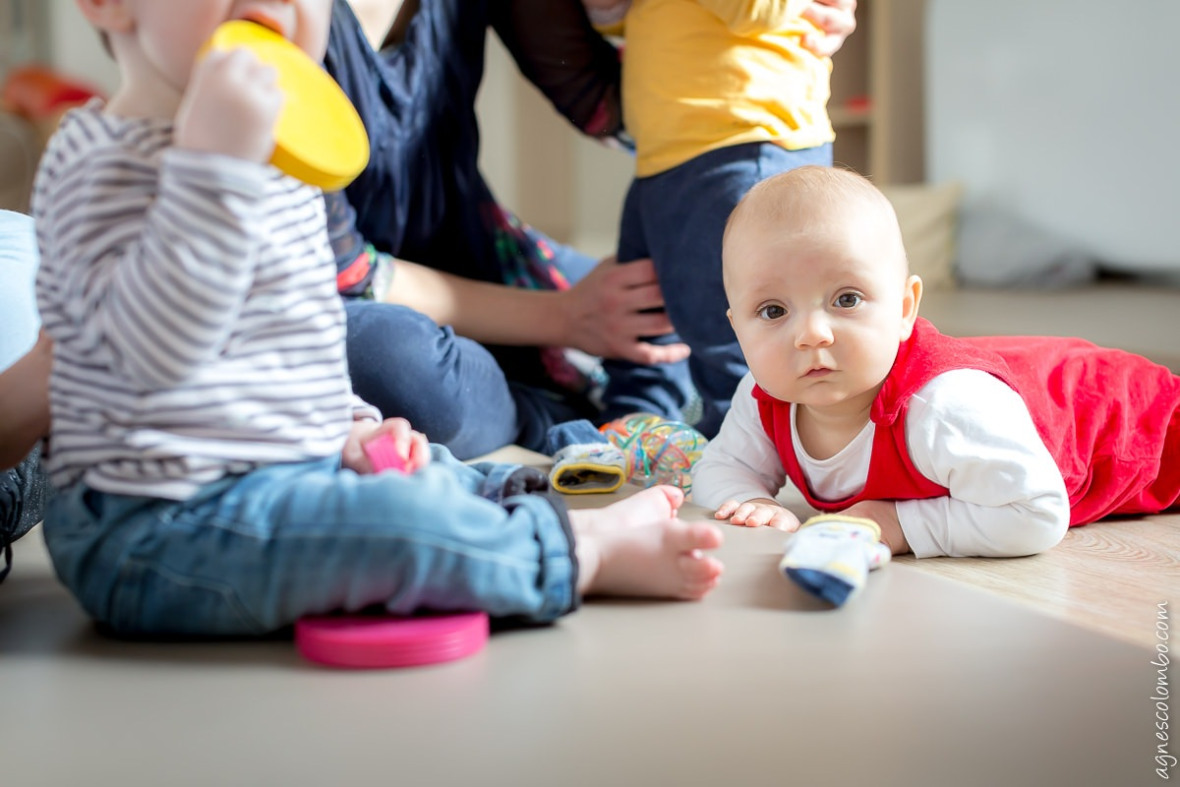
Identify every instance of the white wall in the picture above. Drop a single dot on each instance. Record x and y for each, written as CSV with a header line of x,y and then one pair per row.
x,y
1066,112
75,49
499,122
537,164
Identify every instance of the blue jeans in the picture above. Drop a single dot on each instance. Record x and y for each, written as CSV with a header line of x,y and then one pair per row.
x,y
249,555
678,218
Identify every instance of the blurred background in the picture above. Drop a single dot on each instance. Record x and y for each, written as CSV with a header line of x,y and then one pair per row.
x,y
1023,144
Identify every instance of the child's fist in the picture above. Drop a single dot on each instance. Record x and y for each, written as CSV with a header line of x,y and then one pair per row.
x,y
231,106
390,445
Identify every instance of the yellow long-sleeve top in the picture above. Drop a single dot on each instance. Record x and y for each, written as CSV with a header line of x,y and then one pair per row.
x,y
699,75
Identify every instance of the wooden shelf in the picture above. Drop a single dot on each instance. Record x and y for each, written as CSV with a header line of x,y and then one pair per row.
x,y
845,117
881,137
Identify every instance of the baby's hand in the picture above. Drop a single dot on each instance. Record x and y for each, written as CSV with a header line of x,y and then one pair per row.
x,y
411,446
757,513
836,20
230,107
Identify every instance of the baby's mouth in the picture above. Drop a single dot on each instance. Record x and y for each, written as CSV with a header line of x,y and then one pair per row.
x,y
263,20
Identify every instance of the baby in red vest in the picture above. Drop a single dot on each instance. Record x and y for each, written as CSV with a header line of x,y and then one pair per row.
x,y
924,443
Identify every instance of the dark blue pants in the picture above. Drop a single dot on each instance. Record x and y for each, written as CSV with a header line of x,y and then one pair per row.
x,y
678,218
450,388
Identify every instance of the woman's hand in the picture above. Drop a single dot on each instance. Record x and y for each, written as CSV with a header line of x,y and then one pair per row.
x,y
602,314
837,20
606,316
412,446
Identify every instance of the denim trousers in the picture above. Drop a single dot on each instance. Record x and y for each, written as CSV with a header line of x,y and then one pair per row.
x,y
249,555
449,387
677,218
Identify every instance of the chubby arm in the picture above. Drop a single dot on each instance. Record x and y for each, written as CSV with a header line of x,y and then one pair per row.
x,y
741,463
973,434
155,296
154,279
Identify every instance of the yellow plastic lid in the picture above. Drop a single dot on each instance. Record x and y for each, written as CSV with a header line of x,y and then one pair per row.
x,y
319,137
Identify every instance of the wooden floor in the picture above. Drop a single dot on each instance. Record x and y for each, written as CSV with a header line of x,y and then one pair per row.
x,y
1109,576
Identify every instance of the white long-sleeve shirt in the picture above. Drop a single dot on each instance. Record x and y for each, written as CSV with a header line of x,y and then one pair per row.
x,y
192,302
965,430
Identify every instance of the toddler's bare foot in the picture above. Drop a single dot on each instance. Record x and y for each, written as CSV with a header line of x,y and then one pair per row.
x,y
637,547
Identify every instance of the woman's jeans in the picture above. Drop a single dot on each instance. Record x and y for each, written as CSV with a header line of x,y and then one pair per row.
x,y
450,388
251,554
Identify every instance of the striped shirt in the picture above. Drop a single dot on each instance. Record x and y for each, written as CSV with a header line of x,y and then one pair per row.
x,y
192,302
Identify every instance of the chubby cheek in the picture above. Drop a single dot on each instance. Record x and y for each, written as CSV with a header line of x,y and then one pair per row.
x,y
315,46
771,366
874,360
312,37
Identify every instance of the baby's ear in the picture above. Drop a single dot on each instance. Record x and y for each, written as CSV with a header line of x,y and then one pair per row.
x,y
110,16
909,305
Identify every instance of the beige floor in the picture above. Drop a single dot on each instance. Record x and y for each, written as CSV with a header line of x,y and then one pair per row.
x,y
919,681
957,672
1108,576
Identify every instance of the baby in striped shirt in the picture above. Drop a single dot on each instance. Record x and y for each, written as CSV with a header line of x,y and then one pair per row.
x,y
205,437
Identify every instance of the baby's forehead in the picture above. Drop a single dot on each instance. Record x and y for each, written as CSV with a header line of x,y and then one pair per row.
x,y
767,252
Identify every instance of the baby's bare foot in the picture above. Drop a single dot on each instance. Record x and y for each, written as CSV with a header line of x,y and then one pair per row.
x,y
642,508
637,547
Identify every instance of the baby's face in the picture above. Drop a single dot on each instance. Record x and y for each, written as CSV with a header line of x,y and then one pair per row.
x,y
819,313
171,32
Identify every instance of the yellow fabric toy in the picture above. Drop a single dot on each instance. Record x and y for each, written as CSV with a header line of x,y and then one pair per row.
x,y
588,468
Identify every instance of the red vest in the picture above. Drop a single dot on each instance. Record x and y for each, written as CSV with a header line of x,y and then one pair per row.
x,y
1110,419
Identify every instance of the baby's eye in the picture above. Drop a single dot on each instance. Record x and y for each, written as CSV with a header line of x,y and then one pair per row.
x,y
772,312
849,300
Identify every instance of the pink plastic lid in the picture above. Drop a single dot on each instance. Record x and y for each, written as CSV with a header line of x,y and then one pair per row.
x,y
372,641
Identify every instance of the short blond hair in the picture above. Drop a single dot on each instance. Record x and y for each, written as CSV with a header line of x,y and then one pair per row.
x,y
813,199
811,191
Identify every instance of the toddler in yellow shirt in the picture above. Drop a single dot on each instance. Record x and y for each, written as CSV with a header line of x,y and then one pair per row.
x,y
718,95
